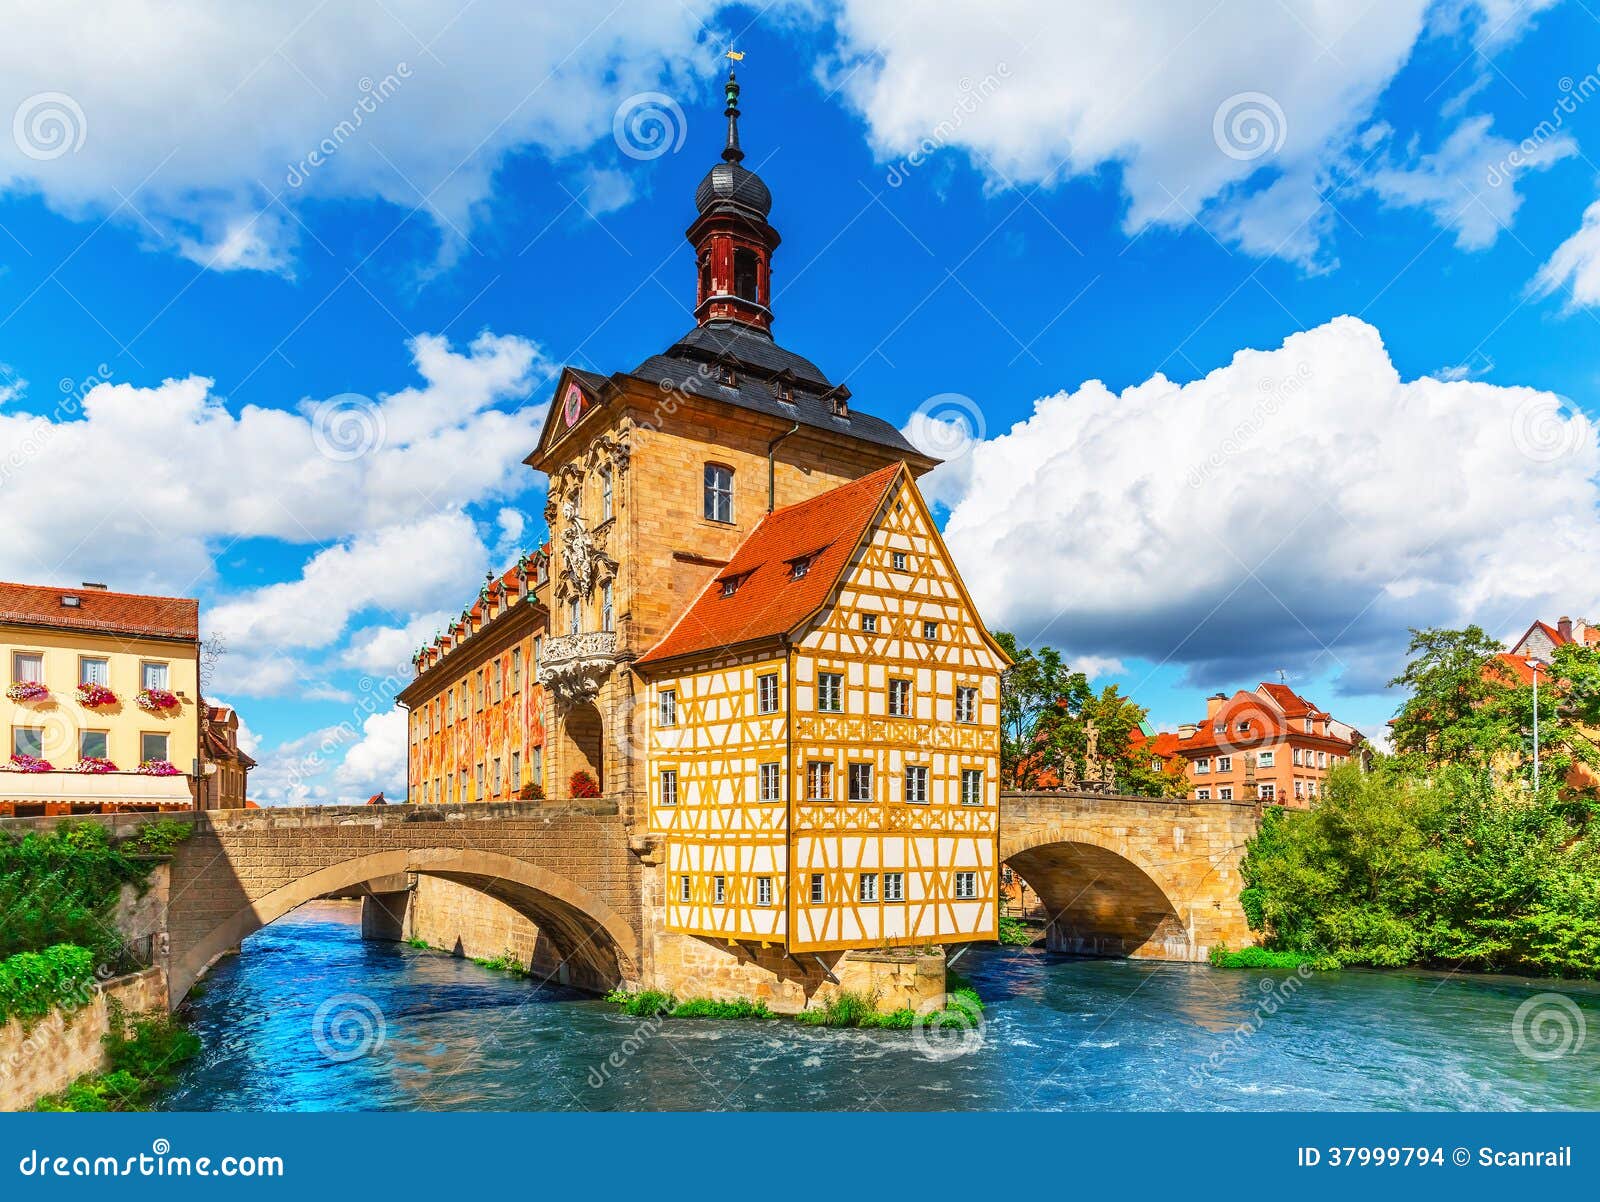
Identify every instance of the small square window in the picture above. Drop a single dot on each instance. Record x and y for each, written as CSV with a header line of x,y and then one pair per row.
x,y
152,747
930,631
27,740
799,567
830,692
730,586
153,675
869,623
1225,793
966,704
817,895
93,745
897,560
1224,763
966,886
894,886
860,782
27,668
94,671
867,887
916,785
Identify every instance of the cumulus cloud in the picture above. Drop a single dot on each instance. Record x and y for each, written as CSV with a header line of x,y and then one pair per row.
x,y
209,130
1240,116
338,468
377,760
1298,508
1575,265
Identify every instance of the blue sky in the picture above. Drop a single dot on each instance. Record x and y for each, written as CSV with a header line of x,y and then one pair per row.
x,y
1335,281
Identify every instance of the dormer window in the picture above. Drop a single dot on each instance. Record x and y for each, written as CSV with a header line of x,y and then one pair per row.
x,y
727,377
799,567
841,407
730,586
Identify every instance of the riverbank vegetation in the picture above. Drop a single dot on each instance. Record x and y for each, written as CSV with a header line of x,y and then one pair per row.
x,y
143,1056
1445,853
657,1003
845,1009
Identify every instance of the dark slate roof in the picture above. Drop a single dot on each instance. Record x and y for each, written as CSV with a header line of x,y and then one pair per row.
x,y
732,186
757,360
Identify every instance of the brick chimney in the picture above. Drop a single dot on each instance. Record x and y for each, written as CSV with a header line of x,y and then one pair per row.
x,y
1564,627
1214,703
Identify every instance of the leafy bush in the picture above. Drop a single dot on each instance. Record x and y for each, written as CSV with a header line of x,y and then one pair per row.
x,y
1260,957
646,1003
1452,868
1016,933
142,1057
710,1008
62,886
506,961
844,1009
32,984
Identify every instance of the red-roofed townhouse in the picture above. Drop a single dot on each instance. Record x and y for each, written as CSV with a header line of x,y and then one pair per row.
x,y
1266,745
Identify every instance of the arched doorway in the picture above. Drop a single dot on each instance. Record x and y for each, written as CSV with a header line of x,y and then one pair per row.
x,y
583,747
1099,903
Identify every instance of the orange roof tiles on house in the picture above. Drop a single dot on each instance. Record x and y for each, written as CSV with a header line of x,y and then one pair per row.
x,y
1268,717
1292,704
101,611
1516,665
768,600
1164,744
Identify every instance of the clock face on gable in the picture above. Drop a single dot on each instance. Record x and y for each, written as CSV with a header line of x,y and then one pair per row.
x,y
572,405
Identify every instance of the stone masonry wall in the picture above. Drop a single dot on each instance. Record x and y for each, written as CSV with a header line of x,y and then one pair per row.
x,y
461,920
65,1045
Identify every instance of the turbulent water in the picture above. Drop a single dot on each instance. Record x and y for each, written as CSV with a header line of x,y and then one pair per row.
x,y
309,1017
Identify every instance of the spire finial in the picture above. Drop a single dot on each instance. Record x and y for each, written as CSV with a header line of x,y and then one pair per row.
x,y
731,152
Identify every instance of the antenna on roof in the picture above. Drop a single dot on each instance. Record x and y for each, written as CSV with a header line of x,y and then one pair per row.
x,y
1283,677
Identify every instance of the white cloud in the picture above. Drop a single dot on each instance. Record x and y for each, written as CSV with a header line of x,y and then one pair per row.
x,y
377,762
1237,115
1575,265
1467,185
199,120
1298,508
338,469
385,650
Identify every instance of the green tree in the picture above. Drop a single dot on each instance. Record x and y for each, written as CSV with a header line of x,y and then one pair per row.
x,y
1457,711
1038,693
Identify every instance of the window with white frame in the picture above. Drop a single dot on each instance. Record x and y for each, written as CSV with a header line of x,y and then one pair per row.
x,y
27,667
1202,794
669,707
607,613
92,670
894,886
1224,763
817,893
869,623
897,560
1225,793
1202,767
767,693
1298,756
669,786
719,493
1268,792
763,890
916,784
899,699
966,703
152,746
860,782
966,886
719,890
771,777
819,780
1266,759
867,887
971,787
154,675
830,693
1322,759
1299,788
930,631
683,888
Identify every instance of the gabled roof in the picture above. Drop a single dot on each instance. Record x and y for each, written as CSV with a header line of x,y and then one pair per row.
x,y
1163,744
768,600
101,611
1291,703
1268,721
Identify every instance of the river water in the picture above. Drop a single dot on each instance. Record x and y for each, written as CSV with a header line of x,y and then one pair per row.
x,y
310,1017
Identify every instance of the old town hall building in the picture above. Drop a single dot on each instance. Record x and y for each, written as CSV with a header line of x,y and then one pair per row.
x,y
750,633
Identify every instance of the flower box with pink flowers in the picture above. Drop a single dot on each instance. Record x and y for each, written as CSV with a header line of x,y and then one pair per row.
x,y
28,763
95,695
157,701
27,690
157,768
94,765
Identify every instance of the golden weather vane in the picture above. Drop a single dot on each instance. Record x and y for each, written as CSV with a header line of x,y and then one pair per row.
x,y
735,55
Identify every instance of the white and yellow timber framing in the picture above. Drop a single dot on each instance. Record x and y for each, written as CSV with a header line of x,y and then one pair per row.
x,y
721,827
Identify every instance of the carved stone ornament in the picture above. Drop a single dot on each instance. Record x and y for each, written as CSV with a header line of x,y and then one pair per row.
x,y
574,666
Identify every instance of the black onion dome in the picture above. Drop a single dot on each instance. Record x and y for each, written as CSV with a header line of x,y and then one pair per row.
x,y
732,184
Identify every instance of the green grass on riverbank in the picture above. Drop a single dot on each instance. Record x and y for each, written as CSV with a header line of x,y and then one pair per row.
x,y
143,1056
1260,957
962,1009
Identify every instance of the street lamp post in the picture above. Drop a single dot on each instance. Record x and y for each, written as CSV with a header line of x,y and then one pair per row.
x,y
1534,665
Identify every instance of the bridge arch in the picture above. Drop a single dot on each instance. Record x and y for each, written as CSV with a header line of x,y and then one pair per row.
x,y
597,944
1102,895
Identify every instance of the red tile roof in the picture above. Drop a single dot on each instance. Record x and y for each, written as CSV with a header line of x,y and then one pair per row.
x,y
1267,715
1292,704
1516,665
1163,744
768,600
101,611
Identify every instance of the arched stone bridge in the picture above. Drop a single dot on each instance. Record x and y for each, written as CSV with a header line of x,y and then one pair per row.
x,y
564,866
1131,876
